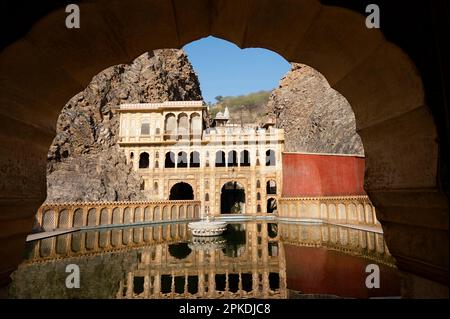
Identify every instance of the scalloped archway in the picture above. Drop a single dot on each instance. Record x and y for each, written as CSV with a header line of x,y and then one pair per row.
x,y
42,70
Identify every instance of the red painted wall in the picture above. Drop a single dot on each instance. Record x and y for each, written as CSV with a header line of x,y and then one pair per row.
x,y
322,271
322,175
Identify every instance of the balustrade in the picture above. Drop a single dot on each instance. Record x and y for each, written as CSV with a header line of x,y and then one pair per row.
x,y
350,210
62,216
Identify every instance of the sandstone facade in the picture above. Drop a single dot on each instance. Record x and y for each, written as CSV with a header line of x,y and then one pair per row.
x,y
84,161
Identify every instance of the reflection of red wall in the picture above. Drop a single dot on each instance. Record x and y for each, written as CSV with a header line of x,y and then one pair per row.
x,y
321,271
322,175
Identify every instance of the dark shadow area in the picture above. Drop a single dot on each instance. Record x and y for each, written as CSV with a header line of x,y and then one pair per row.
x,y
181,191
180,250
232,198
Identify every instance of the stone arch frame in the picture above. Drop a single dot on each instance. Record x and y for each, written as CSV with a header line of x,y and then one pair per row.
x,y
379,80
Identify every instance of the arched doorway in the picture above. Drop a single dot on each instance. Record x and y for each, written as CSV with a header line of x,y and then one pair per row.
x,y
144,160
271,205
271,187
181,191
232,198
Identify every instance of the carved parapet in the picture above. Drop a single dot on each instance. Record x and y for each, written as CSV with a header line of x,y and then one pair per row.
x,y
79,215
350,210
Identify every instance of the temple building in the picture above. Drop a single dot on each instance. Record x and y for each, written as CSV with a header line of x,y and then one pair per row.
x,y
230,168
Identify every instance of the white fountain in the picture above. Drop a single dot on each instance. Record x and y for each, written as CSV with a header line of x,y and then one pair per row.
x,y
207,243
206,227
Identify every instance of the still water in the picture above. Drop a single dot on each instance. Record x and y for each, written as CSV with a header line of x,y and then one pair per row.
x,y
251,260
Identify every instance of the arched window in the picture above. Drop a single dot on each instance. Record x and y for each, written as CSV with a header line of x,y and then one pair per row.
x,y
220,159
170,160
270,158
155,186
258,184
182,159
183,125
271,205
271,187
144,160
131,155
232,159
258,208
207,197
156,164
170,126
194,160
258,196
245,158
196,125
145,128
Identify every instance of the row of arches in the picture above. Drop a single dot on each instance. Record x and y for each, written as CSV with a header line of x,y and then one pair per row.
x,y
182,125
222,159
350,213
96,241
65,218
231,159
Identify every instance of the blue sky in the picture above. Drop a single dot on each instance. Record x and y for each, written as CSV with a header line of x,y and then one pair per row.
x,y
224,69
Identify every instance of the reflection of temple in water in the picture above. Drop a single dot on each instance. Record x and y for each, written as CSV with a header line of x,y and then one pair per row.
x,y
252,260
253,267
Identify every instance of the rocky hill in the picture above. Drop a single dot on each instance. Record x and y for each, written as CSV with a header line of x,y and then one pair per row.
x,y
84,161
249,108
315,117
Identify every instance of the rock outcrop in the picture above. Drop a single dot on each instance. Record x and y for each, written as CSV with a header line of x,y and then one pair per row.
x,y
315,117
84,161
